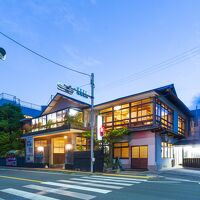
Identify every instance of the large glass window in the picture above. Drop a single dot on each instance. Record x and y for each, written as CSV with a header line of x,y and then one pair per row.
x,y
142,112
107,117
56,119
81,143
167,150
181,125
121,150
121,115
164,115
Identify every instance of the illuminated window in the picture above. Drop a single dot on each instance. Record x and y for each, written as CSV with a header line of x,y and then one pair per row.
x,y
140,152
181,125
143,152
121,150
142,112
167,150
164,115
81,143
107,117
58,145
135,152
40,143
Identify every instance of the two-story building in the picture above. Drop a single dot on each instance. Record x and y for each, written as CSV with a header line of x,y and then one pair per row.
x,y
156,119
58,127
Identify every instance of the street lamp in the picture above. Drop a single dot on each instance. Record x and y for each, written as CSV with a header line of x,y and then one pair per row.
x,y
2,54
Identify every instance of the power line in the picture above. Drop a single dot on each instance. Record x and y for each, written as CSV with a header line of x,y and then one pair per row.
x,y
43,57
158,67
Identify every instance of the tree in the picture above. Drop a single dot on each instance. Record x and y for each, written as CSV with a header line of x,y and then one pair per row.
x,y
111,136
10,128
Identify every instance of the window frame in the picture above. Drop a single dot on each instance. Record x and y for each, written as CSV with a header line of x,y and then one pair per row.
x,y
120,147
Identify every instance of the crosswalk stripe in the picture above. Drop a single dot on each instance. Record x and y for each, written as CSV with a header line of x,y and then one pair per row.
x,y
110,179
61,192
87,179
92,184
26,195
78,187
120,178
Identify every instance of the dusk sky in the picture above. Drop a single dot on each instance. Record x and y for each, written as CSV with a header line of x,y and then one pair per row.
x,y
122,41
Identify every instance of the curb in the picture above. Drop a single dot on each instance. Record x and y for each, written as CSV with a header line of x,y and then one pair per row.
x,y
81,172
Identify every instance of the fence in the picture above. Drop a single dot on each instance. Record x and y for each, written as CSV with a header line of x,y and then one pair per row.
x,y
17,101
191,162
20,162
81,161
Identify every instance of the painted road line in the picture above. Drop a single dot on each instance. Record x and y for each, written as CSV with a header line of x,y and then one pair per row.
x,y
92,184
87,179
166,182
61,192
109,179
129,176
78,187
26,195
20,179
119,178
180,179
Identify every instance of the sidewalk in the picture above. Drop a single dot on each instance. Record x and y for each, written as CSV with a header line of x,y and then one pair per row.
x,y
188,173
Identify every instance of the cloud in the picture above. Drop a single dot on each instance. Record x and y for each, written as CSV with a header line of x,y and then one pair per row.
x,y
79,59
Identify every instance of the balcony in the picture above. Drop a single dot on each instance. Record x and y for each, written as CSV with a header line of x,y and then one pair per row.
x,y
58,126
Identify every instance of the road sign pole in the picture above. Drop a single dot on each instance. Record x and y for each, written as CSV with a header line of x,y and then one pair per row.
x,y
92,122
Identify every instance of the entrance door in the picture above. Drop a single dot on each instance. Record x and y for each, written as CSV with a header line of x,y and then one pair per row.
x,y
58,150
139,158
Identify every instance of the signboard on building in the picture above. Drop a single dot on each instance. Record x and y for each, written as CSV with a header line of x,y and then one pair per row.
x,y
99,127
30,149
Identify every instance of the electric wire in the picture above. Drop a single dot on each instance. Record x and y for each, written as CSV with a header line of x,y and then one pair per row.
x,y
43,57
158,67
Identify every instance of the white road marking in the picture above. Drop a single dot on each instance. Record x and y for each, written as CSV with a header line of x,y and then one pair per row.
x,y
120,179
164,182
39,172
110,179
182,180
26,195
61,192
87,179
91,184
78,187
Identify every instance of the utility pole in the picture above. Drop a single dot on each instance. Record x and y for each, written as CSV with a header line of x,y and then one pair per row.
x,y
92,122
70,90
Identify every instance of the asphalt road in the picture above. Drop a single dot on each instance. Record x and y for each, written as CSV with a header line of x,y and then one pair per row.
x,y
22,184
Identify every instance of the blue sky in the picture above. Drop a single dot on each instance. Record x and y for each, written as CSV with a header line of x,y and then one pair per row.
x,y
115,39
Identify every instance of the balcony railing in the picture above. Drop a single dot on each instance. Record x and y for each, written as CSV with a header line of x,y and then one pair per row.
x,y
52,127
